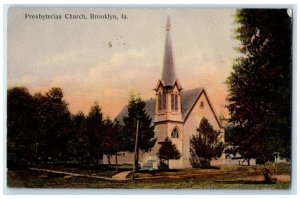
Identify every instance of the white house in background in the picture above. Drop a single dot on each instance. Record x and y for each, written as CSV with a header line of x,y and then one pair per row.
x,y
176,113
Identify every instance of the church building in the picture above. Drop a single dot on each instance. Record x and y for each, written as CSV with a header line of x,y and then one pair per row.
x,y
176,113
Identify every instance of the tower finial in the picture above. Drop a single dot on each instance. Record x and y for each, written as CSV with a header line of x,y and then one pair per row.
x,y
168,23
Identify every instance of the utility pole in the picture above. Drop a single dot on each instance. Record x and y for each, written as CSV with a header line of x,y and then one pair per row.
x,y
135,147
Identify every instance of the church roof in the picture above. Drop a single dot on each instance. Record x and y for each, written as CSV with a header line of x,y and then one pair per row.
x,y
188,100
149,109
169,77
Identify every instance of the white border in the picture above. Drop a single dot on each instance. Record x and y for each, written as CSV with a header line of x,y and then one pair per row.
x,y
159,3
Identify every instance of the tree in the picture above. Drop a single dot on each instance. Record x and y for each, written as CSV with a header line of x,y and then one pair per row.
x,y
260,85
112,143
205,145
168,151
22,123
55,124
38,125
79,146
95,129
233,143
146,138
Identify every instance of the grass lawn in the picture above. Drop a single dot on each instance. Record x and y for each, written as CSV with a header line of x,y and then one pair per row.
x,y
227,177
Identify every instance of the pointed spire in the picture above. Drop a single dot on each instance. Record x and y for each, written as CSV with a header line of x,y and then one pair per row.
x,y
168,73
168,26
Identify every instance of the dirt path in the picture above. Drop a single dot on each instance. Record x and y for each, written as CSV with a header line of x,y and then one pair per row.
x,y
69,174
122,175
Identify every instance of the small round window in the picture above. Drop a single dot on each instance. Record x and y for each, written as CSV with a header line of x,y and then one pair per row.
x,y
175,133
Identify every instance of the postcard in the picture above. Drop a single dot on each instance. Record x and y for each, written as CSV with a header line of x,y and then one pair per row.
x,y
149,98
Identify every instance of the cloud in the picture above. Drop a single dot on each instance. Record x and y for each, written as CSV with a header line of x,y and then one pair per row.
x,y
61,60
198,69
109,82
27,79
130,55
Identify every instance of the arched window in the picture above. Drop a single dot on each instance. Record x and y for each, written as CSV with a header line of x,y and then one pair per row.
x,y
175,133
164,100
159,101
201,104
174,102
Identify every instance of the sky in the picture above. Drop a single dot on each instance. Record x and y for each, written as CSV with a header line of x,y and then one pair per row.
x,y
104,61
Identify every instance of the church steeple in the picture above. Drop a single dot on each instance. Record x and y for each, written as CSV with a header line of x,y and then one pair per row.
x,y
168,116
168,89
169,77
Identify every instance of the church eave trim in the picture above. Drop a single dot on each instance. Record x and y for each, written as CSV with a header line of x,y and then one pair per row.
x,y
210,106
166,121
176,83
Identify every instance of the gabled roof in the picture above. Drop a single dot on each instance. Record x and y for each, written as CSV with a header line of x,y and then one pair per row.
x,y
188,101
191,101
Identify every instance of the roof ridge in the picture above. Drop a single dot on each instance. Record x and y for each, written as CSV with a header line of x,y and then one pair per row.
x,y
193,89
